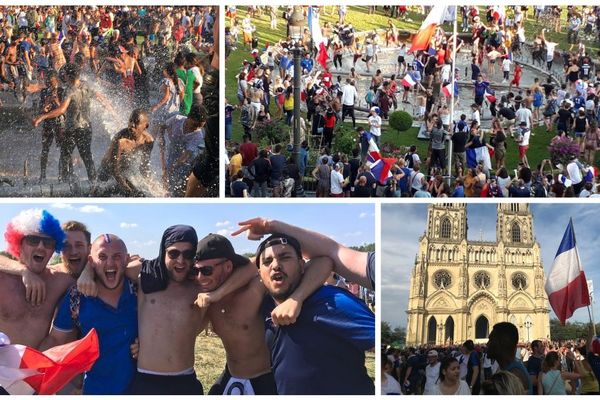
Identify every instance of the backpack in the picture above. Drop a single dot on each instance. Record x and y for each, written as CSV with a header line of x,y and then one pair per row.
x,y
410,161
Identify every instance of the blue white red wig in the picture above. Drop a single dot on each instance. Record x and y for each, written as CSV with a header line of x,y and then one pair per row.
x,y
30,222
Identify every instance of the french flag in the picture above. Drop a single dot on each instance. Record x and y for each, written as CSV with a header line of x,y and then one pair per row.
x,y
490,96
566,285
319,41
25,370
478,154
447,90
380,167
408,81
434,19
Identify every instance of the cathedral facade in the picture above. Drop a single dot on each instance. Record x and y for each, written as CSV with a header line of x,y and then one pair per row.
x,y
460,288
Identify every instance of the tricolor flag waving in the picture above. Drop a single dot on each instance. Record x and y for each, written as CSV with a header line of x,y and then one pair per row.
x,y
380,167
319,41
435,18
566,285
25,370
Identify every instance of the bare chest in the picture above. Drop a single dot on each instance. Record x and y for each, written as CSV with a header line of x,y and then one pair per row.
x,y
237,312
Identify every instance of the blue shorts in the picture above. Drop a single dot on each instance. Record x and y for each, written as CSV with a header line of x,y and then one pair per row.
x,y
228,131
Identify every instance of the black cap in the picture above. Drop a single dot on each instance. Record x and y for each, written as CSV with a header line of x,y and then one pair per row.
x,y
217,246
275,239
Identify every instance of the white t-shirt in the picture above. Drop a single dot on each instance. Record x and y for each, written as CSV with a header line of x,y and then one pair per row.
x,y
198,78
390,386
574,173
523,114
525,141
349,93
446,72
337,180
506,64
375,125
432,374
463,390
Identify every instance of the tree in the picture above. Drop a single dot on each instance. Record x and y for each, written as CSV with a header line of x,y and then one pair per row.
x,y
401,121
570,331
394,337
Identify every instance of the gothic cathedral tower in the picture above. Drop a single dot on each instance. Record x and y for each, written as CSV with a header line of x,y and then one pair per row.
x,y
460,289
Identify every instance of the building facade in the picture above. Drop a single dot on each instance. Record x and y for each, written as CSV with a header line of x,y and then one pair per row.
x,y
460,288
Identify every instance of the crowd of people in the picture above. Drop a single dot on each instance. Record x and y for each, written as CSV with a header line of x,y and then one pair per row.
x,y
148,313
502,366
504,117
160,64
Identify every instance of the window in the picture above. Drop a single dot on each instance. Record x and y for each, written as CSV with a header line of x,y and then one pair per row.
x,y
515,233
445,229
442,279
481,327
481,280
519,281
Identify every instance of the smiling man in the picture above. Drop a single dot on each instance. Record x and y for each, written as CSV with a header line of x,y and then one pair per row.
x,y
32,237
324,351
113,314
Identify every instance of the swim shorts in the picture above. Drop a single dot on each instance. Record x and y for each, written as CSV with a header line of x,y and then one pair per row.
x,y
229,385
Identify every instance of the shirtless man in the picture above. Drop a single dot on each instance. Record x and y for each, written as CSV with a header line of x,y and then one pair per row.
x,y
168,321
129,150
237,317
32,236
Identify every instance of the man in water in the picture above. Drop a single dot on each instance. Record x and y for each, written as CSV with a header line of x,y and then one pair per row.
x,y
127,158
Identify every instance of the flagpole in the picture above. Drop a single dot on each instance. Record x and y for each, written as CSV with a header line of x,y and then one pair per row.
x,y
579,265
452,83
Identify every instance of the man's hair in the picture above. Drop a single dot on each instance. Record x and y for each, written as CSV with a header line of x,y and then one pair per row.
x,y
469,345
76,226
507,332
535,344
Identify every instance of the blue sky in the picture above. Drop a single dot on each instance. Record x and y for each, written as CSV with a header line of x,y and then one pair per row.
x,y
400,243
141,225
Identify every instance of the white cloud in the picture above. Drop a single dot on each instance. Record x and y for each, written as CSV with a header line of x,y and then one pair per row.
x,y
127,225
362,215
62,205
222,223
91,209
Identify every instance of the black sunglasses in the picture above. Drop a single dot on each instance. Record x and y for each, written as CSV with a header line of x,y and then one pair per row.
x,y
206,270
187,254
34,241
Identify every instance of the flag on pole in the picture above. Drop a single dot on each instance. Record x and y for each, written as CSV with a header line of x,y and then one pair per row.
x,y
25,370
434,19
566,285
322,55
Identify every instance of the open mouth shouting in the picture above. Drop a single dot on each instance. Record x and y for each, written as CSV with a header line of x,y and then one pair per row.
x,y
278,278
39,257
111,275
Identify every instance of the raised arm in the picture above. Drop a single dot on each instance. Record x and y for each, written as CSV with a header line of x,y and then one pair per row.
x,y
240,277
316,273
351,264
35,287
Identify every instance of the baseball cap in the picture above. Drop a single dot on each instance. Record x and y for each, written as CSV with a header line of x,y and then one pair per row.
x,y
217,246
432,353
275,239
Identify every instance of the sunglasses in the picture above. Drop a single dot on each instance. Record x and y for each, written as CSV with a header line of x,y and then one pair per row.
x,y
187,254
206,270
34,241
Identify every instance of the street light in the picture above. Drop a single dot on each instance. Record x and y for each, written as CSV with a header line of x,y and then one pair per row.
x,y
296,25
528,325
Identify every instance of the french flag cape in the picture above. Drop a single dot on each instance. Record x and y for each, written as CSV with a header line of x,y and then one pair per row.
x,y
25,370
423,37
408,81
566,285
478,154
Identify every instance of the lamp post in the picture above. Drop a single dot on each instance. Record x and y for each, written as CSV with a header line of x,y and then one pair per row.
x,y
296,24
528,325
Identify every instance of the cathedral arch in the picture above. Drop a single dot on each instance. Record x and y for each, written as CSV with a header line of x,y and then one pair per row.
x,y
441,302
482,327
449,331
431,330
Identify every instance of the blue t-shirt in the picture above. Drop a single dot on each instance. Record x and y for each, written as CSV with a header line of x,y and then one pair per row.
x,y
516,364
480,88
534,366
324,351
403,183
117,329
594,361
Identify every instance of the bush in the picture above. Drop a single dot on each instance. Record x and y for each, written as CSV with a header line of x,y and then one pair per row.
x,y
401,121
272,132
345,140
562,150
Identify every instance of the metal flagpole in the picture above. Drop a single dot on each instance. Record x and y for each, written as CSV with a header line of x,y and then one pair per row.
x,y
452,83
579,266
